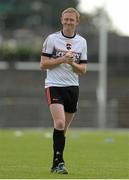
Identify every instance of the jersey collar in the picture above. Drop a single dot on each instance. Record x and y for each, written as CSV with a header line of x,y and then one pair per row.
x,y
68,36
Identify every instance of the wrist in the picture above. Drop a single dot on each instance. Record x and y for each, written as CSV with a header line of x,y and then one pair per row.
x,y
62,59
73,64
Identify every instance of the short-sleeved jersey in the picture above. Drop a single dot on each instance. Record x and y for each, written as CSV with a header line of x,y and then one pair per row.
x,y
56,45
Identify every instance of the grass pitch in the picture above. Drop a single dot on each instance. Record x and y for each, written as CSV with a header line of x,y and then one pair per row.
x,y
27,154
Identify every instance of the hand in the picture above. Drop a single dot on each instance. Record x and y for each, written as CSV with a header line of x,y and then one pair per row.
x,y
69,57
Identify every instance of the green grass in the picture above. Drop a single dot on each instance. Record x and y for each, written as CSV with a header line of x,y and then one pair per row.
x,y
27,154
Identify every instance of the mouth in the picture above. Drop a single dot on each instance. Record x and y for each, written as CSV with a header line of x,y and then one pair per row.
x,y
69,25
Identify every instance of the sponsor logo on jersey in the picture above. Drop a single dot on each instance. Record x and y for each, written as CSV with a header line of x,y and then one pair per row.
x,y
60,53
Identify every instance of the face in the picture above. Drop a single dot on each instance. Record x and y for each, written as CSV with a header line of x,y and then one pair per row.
x,y
69,21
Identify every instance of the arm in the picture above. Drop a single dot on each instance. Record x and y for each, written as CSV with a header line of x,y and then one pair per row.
x,y
50,63
82,67
79,68
47,61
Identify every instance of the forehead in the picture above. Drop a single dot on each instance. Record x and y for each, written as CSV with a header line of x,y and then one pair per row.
x,y
69,15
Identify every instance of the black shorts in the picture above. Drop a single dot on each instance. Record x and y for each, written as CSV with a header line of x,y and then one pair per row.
x,y
68,96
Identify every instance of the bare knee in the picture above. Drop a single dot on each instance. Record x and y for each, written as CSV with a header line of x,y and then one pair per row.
x,y
59,124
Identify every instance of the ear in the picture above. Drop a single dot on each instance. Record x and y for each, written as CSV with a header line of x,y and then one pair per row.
x,y
78,21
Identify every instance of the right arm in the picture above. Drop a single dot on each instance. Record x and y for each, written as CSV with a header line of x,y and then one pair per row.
x,y
47,61
50,63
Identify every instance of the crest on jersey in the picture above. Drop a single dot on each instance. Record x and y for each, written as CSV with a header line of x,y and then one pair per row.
x,y
68,46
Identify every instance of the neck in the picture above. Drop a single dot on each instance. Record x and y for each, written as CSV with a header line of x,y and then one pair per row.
x,y
68,33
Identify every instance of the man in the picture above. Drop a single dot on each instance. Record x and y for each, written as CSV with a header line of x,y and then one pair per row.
x,y
64,56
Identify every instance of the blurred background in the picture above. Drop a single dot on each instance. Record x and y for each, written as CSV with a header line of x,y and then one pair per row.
x,y
104,90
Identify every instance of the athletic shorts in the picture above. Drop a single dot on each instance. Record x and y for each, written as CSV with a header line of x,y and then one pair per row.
x,y
67,96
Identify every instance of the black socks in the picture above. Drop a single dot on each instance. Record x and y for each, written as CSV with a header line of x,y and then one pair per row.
x,y
58,146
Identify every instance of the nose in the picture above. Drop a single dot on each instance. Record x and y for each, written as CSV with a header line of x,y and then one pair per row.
x,y
68,22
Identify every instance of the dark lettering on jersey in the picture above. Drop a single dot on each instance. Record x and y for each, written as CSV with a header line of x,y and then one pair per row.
x,y
58,53
77,57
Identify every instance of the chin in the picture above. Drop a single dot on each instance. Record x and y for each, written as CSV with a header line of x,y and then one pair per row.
x,y
69,28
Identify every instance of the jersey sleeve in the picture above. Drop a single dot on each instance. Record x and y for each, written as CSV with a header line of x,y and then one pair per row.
x,y
48,47
83,58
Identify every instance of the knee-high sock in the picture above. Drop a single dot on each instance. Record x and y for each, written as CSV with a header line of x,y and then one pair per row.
x,y
58,146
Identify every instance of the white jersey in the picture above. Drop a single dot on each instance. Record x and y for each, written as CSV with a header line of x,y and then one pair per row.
x,y
56,45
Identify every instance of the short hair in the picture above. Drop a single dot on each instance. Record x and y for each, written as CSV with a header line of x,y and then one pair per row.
x,y
72,10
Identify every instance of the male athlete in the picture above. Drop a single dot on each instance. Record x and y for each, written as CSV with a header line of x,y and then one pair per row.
x,y
64,56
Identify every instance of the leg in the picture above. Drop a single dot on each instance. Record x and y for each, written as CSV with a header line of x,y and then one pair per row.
x,y
58,115
68,119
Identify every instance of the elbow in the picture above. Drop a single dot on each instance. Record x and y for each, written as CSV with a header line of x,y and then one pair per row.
x,y
83,71
42,63
42,66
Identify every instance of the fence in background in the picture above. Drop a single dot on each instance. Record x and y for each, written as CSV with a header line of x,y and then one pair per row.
x,y
23,102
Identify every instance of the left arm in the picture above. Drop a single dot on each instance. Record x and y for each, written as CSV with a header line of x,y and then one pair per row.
x,y
82,66
79,68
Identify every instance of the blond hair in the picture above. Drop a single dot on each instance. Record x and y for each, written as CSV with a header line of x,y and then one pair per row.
x,y
72,10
